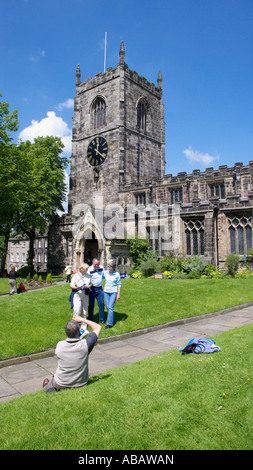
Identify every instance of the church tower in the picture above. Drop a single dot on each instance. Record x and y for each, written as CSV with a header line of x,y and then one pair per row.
x,y
118,157
118,133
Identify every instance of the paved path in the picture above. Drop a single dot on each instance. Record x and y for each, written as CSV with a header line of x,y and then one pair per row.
x,y
19,378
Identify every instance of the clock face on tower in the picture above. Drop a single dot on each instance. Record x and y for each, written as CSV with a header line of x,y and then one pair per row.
x,y
97,151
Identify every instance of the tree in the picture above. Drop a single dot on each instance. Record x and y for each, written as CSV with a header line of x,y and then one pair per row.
x,y
8,161
41,186
232,263
140,250
8,122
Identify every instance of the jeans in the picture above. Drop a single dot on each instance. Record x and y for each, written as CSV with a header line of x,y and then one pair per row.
x,y
110,299
96,293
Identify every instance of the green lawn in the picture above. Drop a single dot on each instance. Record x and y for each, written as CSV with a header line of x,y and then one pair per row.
x,y
4,285
35,321
167,401
29,285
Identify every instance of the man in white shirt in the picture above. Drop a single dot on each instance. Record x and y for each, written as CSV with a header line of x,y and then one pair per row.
x,y
96,273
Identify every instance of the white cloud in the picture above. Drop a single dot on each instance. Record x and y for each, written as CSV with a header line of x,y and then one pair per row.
x,y
68,104
50,125
35,58
199,157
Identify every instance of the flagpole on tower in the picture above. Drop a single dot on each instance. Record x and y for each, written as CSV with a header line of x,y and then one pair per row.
x,y
105,51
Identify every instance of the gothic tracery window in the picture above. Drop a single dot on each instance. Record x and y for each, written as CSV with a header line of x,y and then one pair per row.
x,y
194,237
99,113
240,230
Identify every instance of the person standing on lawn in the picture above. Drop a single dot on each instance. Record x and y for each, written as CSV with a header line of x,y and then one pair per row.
x,y
96,273
111,291
80,285
73,353
12,280
68,271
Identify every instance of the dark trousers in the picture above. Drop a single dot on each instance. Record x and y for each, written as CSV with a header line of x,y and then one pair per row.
x,y
96,293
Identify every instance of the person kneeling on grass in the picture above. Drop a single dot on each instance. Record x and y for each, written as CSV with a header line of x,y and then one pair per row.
x,y
72,370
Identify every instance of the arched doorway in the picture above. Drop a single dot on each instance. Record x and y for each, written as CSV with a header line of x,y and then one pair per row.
x,y
88,242
91,249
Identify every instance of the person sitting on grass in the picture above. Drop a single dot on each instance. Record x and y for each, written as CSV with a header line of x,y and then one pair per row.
x,y
73,353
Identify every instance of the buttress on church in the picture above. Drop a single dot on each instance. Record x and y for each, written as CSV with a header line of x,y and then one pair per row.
x,y
118,187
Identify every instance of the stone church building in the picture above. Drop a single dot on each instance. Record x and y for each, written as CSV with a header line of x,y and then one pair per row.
x,y
119,189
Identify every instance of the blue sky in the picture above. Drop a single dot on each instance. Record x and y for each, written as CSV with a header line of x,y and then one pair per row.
x,y
204,49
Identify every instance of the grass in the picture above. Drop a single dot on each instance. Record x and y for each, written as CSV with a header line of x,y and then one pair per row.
x,y
35,321
4,286
168,401
29,285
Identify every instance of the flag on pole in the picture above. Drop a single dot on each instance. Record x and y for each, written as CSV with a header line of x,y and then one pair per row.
x,y
105,51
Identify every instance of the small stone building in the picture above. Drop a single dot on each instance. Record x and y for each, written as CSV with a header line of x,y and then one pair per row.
x,y
18,251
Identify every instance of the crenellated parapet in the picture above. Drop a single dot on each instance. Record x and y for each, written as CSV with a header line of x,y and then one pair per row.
x,y
231,187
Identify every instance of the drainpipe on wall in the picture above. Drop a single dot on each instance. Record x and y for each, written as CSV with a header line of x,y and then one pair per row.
x,y
216,214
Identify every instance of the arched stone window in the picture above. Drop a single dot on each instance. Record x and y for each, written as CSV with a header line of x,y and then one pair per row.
x,y
99,112
142,112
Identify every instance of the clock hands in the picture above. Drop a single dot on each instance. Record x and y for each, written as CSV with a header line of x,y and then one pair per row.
x,y
97,152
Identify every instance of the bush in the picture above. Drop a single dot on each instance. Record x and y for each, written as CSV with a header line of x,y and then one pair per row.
x,y
136,275
49,278
245,273
194,274
217,274
232,263
197,263
140,250
172,264
249,256
168,274
209,269
149,267
35,277
26,272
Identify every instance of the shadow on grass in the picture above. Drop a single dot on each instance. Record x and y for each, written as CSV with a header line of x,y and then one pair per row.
x,y
95,378
118,317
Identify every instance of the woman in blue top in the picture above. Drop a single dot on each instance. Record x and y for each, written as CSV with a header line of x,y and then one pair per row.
x,y
111,291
